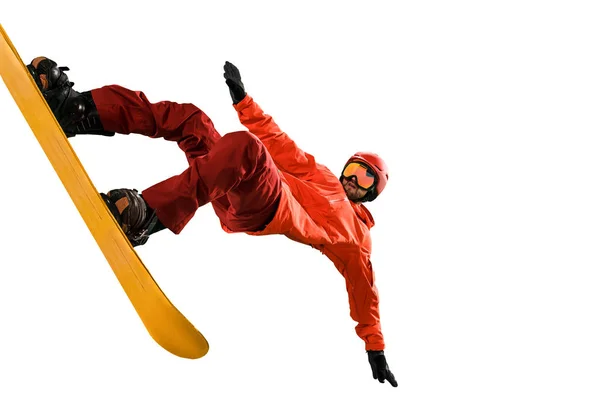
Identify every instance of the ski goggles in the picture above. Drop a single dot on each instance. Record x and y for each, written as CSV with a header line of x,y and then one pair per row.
x,y
365,178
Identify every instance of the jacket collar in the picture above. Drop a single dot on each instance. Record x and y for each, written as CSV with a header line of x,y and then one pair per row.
x,y
364,214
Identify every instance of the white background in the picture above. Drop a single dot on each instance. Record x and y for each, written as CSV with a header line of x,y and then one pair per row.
x,y
486,244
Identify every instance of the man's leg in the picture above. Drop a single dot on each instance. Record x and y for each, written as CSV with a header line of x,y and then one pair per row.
x,y
126,111
234,172
238,176
237,169
113,108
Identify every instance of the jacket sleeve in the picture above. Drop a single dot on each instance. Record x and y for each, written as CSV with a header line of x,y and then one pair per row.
x,y
287,155
364,303
363,296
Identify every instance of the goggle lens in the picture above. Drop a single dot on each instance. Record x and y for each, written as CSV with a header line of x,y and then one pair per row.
x,y
364,176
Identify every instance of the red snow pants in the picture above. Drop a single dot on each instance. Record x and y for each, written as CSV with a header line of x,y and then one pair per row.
x,y
233,172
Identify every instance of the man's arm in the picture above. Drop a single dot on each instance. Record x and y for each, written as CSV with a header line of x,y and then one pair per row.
x,y
284,151
364,309
363,298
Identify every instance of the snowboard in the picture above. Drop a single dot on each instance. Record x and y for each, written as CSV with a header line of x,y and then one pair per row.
x,y
163,321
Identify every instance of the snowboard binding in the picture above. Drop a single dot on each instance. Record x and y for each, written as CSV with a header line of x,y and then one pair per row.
x,y
137,220
75,112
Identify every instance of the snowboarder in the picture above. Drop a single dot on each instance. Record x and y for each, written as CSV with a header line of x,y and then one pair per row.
x,y
258,181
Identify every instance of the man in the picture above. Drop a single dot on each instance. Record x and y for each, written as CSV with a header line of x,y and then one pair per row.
x,y
257,181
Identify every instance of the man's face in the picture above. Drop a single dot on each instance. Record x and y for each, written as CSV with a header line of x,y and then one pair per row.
x,y
357,176
353,192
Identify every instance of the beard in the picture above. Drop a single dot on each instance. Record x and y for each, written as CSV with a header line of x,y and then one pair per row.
x,y
353,192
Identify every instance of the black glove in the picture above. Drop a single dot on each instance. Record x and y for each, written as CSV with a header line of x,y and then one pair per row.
x,y
380,368
233,79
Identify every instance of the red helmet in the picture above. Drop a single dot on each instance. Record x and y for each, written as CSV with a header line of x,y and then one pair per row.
x,y
378,166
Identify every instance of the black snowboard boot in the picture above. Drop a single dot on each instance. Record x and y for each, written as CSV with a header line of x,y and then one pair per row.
x,y
75,112
137,220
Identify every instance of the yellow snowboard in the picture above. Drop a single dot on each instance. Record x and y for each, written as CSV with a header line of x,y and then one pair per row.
x,y
167,326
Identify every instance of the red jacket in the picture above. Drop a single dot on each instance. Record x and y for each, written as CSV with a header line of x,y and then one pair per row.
x,y
314,210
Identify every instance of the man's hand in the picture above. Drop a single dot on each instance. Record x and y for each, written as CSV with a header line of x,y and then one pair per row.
x,y
380,368
233,79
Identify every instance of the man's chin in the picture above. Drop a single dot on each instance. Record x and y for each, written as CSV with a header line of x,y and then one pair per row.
x,y
352,196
